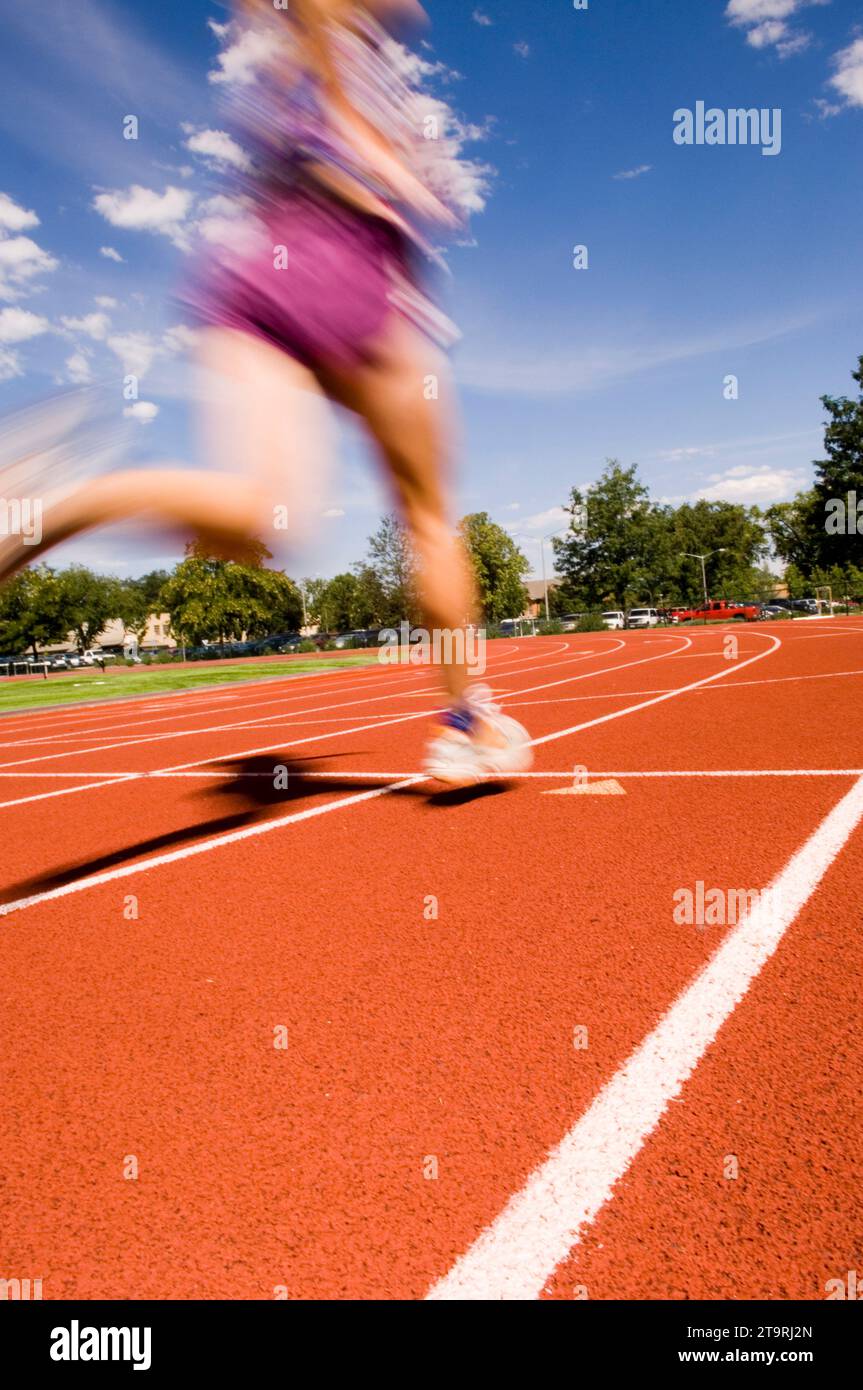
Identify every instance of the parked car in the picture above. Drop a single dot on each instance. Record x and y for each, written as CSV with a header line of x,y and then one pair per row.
x,y
642,617
804,605
614,619
721,611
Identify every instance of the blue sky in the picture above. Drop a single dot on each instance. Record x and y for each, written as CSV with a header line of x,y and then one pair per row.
x,y
704,261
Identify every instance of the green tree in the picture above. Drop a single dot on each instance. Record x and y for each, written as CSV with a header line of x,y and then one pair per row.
x,y
392,562
805,532
31,611
841,473
618,547
88,602
341,604
796,529
210,597
314,591
140,598
737,532
373,605
498,565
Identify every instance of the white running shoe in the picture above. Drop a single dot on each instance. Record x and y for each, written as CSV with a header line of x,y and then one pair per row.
x,y
479,744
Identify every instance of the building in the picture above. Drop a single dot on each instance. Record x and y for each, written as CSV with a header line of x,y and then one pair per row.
x,y
116,637
535,606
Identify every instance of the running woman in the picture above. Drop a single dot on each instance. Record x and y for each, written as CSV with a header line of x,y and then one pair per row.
x,y
315,295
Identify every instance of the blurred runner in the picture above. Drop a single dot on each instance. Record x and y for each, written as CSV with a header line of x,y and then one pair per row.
x,y
314,294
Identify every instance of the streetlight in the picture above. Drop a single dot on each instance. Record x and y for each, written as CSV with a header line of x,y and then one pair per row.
x,y
540,541
689,556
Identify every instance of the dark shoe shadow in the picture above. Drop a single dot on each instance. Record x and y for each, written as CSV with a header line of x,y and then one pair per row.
x,y
463,796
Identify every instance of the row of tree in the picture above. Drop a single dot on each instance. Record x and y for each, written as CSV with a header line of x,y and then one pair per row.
x,y
208,599
621,549
635,550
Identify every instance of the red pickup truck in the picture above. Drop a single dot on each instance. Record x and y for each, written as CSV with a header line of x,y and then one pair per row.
x,y
721,611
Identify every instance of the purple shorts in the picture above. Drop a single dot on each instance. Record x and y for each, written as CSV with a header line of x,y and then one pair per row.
x,y
314,277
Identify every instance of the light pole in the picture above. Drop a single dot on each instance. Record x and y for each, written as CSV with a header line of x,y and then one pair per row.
x,y
689,556
551,535
540,541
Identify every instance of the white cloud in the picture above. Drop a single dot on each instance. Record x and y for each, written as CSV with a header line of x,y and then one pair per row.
x,y
479,17
795,43
14,218
459,182
635,173
136,351
771,31
217,147
78,368
21,261
547,370
18,325
106,302
747,485
522,49
333,512
180,338
683,455
227,222
91,325
512,507
10,365
142,209
543,523
144,412
766,23
111,255
246,53
848,80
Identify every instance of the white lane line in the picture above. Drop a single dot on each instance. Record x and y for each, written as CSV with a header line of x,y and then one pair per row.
x,y
293,743
517,1255
657,699
221,774
261,720
297,742
69,791
737,685
203,847
840,632
27,721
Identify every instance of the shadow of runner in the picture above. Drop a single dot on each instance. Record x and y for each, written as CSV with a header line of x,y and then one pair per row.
x,y
257,785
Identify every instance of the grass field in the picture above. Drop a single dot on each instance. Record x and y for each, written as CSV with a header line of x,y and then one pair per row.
x,y
32,692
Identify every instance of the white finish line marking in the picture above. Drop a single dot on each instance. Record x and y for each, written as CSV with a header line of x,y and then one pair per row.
x,y
517,1255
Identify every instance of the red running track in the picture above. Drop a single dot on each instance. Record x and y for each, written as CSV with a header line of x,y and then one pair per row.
x,y
509,1072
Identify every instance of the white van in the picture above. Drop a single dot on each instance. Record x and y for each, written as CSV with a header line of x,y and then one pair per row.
x,y
614,619
642,617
